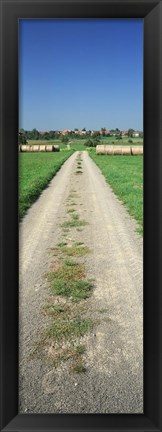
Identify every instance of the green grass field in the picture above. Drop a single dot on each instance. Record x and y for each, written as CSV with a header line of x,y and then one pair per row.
x,y
124,141
78,144
35,172
125,176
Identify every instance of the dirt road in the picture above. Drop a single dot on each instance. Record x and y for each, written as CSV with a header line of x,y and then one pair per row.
x,y
113,380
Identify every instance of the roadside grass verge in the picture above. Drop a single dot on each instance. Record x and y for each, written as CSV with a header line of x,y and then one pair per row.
x,y
125,175
35,172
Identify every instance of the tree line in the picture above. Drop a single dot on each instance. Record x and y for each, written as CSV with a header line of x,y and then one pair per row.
x,y
34,134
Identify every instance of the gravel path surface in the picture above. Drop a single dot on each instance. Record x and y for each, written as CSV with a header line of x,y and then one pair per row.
x,y
113,380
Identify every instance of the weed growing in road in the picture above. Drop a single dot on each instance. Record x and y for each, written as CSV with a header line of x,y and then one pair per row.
x,y
65,230
79,368
80,349
78,243
68,281
73,195
74,289
102,310
76,251
70,263
62,244
71,210
71,204
61,338
66,273
74,223
75,216
72,251
78,172
68,323
69,329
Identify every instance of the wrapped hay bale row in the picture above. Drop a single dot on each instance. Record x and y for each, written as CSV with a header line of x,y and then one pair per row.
x,y
113,150
35,148
39,148
42,148
49,148
25,148
137,150
118,150
56,148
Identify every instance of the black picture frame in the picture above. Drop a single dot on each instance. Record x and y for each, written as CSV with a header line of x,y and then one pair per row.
x,y
151,12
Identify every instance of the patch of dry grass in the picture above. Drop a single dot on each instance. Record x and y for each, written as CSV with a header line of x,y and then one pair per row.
x,y
60,341
69,281
74,223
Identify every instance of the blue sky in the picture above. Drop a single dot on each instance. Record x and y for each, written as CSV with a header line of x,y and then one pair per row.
x,y
81,73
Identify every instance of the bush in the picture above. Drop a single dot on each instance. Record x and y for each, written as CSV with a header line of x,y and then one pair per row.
x,y
96,134
22,138
95,143
88,143
130,141
64,139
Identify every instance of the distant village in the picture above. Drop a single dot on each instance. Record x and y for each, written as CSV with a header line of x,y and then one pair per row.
x,y
34,134
102,132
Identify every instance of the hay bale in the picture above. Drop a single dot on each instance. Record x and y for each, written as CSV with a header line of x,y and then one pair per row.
x,y
105,149
49,148
126,150
100,149
135,151
35,148
109,150
42,148
56,148
117,150
26,148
